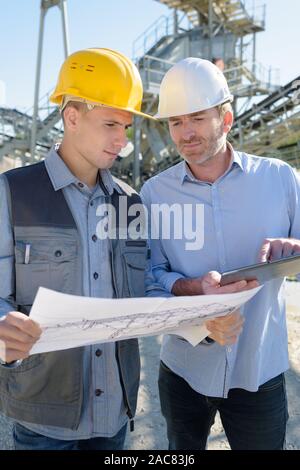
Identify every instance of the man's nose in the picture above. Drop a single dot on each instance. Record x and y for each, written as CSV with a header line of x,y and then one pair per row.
x,y
121,139
188,132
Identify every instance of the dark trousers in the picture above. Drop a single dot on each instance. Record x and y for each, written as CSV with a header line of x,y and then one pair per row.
x,y
251,420
24,439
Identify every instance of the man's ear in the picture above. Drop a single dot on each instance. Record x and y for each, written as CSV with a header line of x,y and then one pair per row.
x,y
227,121
71,117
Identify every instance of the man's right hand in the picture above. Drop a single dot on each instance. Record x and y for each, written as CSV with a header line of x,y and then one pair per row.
x,y
209,284
224,330
18,333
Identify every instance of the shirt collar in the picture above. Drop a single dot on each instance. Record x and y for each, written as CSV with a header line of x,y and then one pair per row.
x,y
236,158
109,182
61,176
58,172
235,161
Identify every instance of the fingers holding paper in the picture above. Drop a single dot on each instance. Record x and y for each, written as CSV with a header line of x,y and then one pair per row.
x,y
226,330
18,333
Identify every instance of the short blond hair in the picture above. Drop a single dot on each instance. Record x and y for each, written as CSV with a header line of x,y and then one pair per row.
x,y
74,101
75,104
224,108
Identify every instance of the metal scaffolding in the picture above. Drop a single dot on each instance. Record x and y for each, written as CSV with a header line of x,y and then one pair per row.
x,y
45,6
198,28
27,136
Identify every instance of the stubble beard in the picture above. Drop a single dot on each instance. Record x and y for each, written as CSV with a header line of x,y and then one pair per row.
x,y
214,147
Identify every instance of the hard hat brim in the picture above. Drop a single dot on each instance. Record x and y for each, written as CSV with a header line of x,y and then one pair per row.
x,y
139,113
58,98
229,99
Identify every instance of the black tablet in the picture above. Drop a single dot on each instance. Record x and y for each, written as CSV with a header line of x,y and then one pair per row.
x,y
264,271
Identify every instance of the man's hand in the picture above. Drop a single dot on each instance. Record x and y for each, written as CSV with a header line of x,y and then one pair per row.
x,y
18,333
277,248
210,284
226,330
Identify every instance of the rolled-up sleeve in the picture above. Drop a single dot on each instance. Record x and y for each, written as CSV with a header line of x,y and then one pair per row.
x,y
7,260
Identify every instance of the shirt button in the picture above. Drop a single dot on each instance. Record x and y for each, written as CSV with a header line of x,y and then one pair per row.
x,y
96,275
98,392
81,185
94,238
92,203
98,353
58,254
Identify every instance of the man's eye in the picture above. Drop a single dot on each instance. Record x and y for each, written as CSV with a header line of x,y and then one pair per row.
x,y
198,119
110,124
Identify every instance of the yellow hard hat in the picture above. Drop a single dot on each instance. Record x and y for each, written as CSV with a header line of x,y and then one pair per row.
x,y
101,76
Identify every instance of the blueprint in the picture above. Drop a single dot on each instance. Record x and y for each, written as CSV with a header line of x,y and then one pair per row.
x,y
69,321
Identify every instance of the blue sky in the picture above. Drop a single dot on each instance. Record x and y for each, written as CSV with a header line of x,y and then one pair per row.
x,y
115,24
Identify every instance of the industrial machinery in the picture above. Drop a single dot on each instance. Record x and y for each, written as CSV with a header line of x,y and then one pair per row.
x,y
267,115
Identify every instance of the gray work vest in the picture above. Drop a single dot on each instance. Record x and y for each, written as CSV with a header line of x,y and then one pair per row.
x,y
47,389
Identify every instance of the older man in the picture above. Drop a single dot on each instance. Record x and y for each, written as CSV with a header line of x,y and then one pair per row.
x,y
251,213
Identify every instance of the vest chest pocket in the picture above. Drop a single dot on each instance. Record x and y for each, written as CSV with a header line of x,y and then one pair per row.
x,y
46,263
135,265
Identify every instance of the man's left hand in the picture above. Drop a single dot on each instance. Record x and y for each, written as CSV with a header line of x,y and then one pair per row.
x,y
226,330
274,249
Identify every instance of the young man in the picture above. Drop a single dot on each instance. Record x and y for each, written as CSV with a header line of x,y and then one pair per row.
x,y
78,398
251,214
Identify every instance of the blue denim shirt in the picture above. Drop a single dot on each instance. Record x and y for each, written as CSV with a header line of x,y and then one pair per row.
x,y
256,198
102,415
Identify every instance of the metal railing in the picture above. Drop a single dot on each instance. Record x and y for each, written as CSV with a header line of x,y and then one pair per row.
x,y
153,69
45,107
164,26
255,74
239,77
255,11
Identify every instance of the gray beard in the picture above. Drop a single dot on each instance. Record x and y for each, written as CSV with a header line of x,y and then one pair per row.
x,y
208,156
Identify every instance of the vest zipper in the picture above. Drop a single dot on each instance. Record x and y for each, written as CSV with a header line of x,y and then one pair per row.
x,y
125,397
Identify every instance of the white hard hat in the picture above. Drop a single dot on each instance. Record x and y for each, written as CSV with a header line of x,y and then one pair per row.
x,y
190,86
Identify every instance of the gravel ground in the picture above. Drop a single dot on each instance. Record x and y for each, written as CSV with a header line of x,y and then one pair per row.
x,y
150,430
